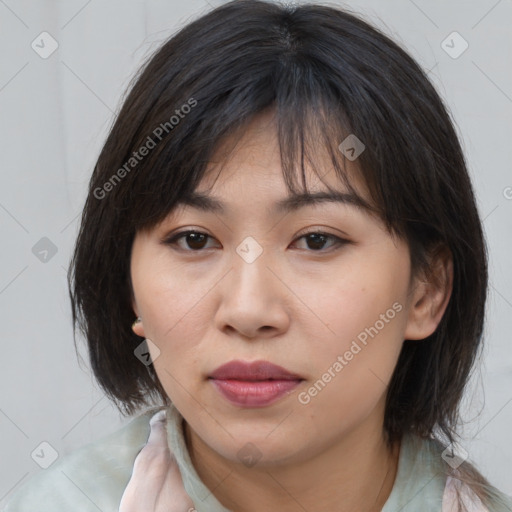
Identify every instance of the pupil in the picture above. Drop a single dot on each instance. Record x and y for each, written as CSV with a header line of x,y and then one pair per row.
x,y
193,239
317,239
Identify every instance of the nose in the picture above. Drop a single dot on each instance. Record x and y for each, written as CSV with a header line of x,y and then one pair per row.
x,y
254,301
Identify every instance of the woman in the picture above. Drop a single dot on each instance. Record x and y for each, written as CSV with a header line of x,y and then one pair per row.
x,y
281,246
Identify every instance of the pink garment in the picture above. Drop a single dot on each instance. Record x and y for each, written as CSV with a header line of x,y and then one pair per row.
x,y
156,484
471,501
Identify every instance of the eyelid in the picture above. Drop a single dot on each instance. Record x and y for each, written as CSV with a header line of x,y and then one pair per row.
x,y
307,231
324,231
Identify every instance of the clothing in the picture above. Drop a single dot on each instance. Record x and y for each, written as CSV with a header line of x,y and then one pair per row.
x,y
95,476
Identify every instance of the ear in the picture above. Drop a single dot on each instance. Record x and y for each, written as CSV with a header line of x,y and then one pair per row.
x,y
431,291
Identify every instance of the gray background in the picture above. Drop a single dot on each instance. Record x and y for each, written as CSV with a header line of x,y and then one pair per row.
x,y
55,113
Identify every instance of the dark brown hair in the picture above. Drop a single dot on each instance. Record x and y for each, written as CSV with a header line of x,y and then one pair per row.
x,y
327,74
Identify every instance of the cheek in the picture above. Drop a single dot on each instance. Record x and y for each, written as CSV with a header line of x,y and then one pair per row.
x,y
169,298
353,302
350,375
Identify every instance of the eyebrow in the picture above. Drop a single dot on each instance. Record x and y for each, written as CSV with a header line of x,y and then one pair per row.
x,y
291,203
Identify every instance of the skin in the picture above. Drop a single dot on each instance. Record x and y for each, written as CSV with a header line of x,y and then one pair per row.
x,y
299,305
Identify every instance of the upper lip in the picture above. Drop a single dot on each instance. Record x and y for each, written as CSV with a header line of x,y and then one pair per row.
x,y
252,371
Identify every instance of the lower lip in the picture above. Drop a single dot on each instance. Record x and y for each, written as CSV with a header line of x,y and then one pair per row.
x,y
254,393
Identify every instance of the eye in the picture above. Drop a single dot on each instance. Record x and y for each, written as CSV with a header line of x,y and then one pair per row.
x,y
316,240
195,241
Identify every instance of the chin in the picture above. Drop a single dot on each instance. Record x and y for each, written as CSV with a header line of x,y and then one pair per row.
x,y
256,447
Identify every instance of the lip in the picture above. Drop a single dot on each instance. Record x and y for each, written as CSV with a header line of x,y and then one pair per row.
x,y
253,384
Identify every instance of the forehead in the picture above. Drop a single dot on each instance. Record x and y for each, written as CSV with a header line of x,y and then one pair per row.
x,y
251,158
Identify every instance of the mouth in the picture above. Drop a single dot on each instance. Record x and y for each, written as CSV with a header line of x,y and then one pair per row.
x,y
253,384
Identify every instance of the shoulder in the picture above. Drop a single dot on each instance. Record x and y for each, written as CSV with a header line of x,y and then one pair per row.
x,y
90,478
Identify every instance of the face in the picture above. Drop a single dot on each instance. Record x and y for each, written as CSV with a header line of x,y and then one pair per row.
x,y
251,284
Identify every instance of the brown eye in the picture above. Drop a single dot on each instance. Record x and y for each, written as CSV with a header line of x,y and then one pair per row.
x,y
193,240
316,241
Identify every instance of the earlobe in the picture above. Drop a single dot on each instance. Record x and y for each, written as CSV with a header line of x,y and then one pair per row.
x,y
138,328
430,297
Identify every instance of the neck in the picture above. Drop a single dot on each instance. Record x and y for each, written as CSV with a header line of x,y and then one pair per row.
x,y
357,472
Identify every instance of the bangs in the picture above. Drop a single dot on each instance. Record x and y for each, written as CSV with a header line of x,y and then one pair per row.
x,y
307,143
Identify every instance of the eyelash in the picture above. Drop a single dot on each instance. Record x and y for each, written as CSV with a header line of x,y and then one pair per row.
x,y
339,242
